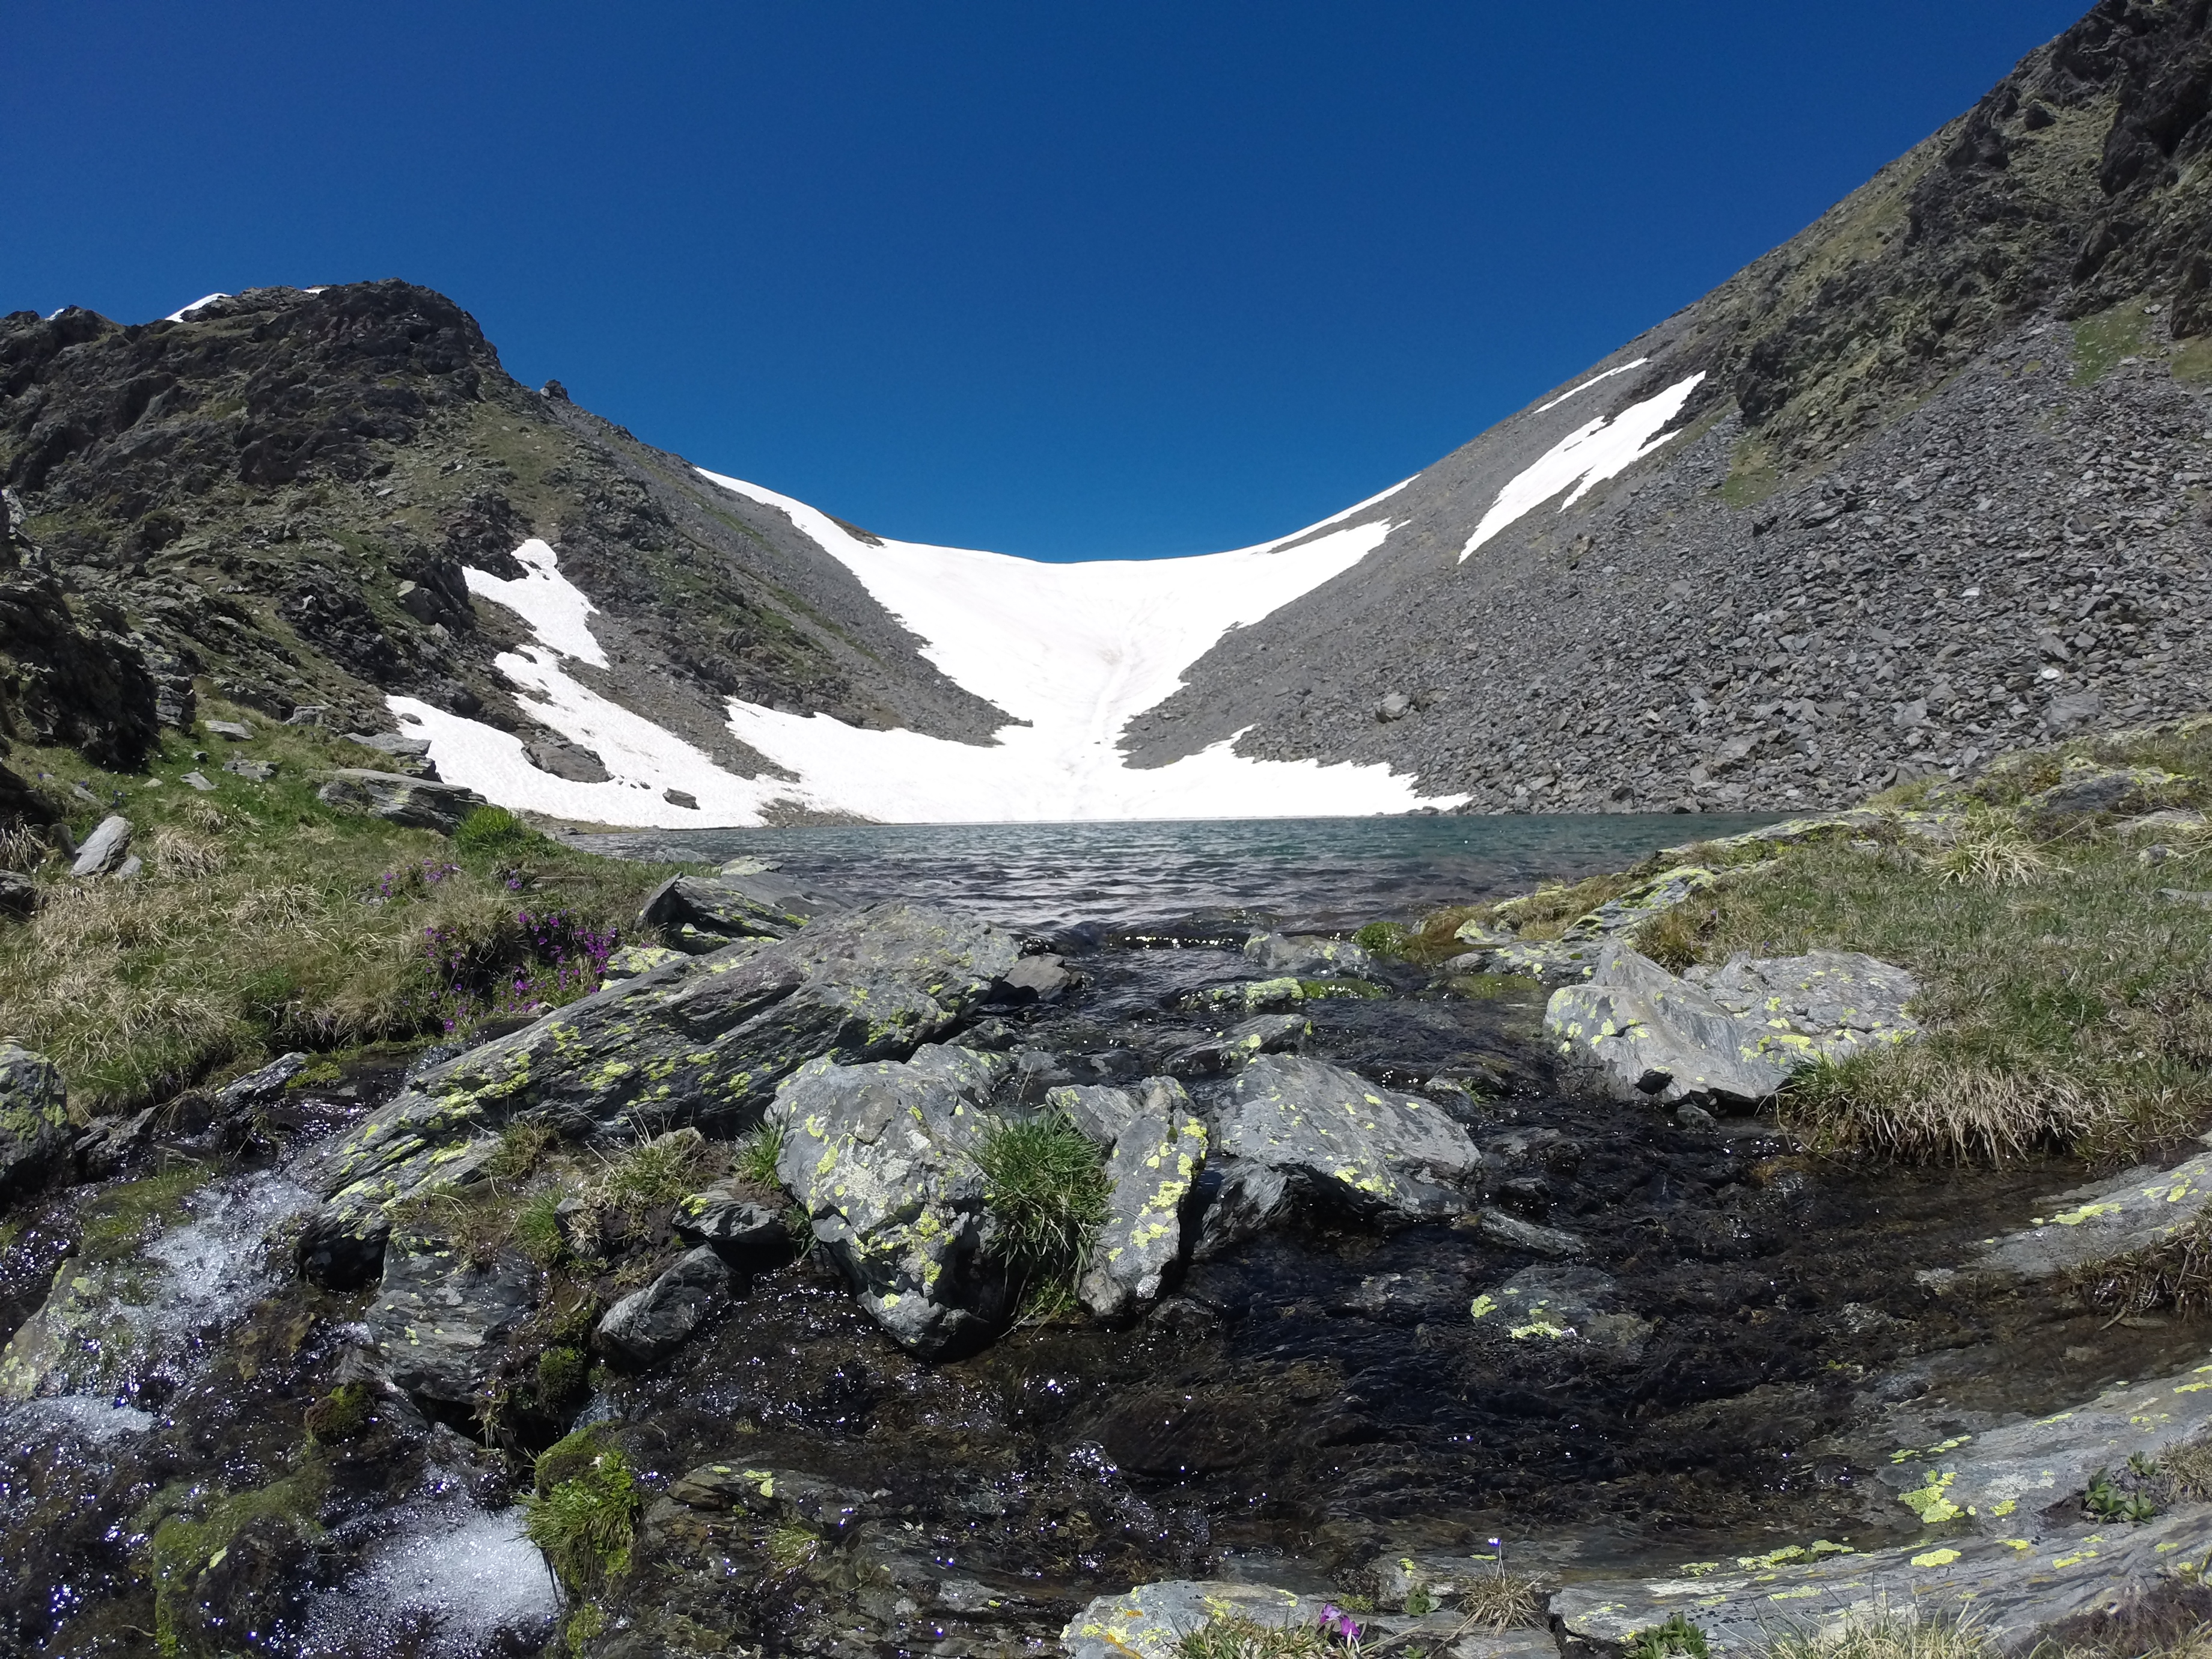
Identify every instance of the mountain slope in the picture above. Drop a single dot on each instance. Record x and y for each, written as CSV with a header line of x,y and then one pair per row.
x,y
1925,483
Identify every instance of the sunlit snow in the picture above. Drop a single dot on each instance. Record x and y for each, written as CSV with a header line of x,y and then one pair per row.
x,y
1074,650
182,312
1585,458
1575,391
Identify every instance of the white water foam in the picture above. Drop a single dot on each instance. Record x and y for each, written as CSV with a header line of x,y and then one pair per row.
x,y
469,1574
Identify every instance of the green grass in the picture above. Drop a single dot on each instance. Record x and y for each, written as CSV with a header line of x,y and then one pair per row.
x,y
1677,1637
251,930
2193,361
2100,341
584,1512
1045,1187
2066,1006
758,1155
1240,1635
1888,1635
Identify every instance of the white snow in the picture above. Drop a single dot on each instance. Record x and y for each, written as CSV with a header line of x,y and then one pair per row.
x,y
1587,385
1075,650
556,610
181,312
1585,458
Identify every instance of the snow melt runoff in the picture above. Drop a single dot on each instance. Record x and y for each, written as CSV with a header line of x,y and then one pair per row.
x,y
1074,651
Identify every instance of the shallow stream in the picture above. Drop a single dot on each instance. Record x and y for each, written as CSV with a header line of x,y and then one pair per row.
x,y
1742,1347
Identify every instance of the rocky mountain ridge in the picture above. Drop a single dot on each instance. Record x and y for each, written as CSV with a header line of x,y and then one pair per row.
x,y
1925,484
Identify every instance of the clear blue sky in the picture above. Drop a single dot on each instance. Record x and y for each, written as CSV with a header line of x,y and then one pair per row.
x,y
1067,280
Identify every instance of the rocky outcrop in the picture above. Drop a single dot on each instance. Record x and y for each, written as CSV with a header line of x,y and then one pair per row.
x,y
1729,1038
1298,1128
2086,790
882,1156
646,1326
34,1125
1155,1146
703,1044
412,802
699,914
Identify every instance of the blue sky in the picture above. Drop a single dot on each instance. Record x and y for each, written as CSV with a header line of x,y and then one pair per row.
x,y
1066,280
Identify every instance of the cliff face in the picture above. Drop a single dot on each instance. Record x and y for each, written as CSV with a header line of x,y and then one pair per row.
x,y
1927,481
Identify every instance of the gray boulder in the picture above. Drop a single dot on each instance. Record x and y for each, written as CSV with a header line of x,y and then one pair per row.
x,y
1038,979
703,1044
1307,956
1515,1234
647,1326
1266,1034
19,895
1330,1134
231,729
414,802
442,1322
105,848
882,1156
701,914
34,1125
1733,1039
2106,1218
1641,903
735,1224
1550,963
1155,1148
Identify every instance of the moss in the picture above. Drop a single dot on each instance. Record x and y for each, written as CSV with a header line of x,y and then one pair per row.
x,y
1381,939
1321,990
124,1217
562,1373
584,1512
342,1413
187,1531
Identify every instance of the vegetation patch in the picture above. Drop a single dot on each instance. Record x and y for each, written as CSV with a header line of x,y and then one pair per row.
x,y
583,1514
2175,1272
2102,341
1045,1187
1888,1635
117,1222
188,1533
1677,1638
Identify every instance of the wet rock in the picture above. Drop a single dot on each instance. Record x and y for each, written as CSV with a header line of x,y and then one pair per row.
x,y
105,1147
1251,995
440,1319
770,1494
105,848
1552,964
1267,1033
1732,1038
646,1326
2104,1219
1043,979
1331,1135
1155,1148
34,1125
737,1225
1561,1304
1514,1233
258,1087
2018,1588
1152,1621
882,1156
1306,957
1405,1297
703,1045
413,803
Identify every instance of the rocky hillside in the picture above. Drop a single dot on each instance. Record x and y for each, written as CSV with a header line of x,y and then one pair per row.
x,y
1923,485
1937,485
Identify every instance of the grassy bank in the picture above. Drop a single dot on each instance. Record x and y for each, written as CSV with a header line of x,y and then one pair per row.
x,y
265,920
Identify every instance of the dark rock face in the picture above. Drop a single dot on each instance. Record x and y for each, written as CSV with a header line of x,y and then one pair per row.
x,y
34,1127
440,1320
646,1326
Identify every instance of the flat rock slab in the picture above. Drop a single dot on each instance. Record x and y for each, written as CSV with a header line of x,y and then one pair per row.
x,y
2015,1589
1150,1622
2098,1222
412,803
2026,1480
442,1323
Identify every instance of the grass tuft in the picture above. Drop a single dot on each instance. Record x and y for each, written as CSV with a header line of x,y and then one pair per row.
x,y
584,1512
758,1154
1888,1635
2174,1272
1503,1601
1912,1103
1045,1187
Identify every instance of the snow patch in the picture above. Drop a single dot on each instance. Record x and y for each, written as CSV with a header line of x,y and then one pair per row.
x,y
1074,650
182,312
1587,385
1586,457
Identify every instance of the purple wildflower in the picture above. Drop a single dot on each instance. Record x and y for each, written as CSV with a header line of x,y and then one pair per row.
x,y
1338,1625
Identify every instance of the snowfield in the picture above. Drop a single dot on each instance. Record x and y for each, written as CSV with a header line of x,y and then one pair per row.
x,y
1073,650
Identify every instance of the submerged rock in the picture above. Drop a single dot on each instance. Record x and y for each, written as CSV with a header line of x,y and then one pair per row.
x,y
2104,1219
882,1156
1301,1126
1306,956
1731,1039
413,803
702,1045
1560,1304
646,1326
1266,1034
1152,1621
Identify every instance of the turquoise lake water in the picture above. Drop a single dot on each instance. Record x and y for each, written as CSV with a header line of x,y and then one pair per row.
x,y
1296,873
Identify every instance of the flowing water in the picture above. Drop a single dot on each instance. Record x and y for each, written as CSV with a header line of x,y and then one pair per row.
x,y
1301,1408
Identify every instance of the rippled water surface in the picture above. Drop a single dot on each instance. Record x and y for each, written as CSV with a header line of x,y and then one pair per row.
x,y
1308,872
